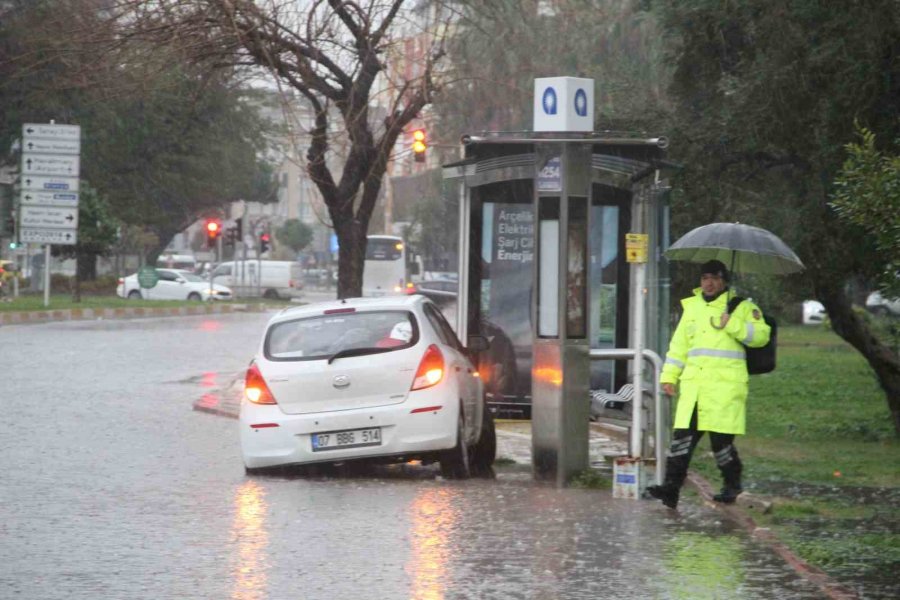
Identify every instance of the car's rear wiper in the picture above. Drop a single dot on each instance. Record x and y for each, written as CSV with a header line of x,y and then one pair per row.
x,y
356,352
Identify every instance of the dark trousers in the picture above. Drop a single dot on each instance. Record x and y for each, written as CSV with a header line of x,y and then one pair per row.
x,y
684,441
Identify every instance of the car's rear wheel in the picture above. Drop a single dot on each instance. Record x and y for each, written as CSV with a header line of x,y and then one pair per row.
x,y
194,297
270,295
485,450
134,295
455,462
880,311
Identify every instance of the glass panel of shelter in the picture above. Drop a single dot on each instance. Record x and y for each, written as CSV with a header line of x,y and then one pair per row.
x,y
502,284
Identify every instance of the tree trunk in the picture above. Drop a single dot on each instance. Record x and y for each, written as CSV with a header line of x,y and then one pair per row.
x,y
852,328
351,259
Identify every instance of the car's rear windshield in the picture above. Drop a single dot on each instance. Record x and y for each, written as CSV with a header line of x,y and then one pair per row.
x,y
357,333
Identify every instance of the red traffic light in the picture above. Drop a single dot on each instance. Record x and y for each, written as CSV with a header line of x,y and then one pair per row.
x,y
213,228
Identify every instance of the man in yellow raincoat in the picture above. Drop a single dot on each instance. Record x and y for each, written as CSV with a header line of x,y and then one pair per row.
x,y
707,361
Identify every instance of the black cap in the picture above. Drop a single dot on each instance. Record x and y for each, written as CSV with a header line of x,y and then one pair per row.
x,y
714,267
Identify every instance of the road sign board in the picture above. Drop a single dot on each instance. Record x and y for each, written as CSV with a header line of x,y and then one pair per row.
x,y
50,164
52,146
44,198
40,217
55,184
51,131
147,277
49,236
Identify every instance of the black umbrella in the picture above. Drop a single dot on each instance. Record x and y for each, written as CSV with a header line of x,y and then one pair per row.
x,y
746,248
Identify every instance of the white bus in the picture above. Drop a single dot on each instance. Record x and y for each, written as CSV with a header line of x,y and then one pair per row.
x,y
390,267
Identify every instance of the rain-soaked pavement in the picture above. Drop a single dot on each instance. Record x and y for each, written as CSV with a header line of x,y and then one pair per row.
x,y
114,488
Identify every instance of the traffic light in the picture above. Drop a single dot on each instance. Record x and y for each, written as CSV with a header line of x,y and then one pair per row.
x,y
419,144
263,242
213,231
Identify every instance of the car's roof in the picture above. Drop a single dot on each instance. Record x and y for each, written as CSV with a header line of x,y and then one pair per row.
x,y
410,302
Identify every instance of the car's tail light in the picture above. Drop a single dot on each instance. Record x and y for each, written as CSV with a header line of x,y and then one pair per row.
x,y
121,280
431,369
255,387
411,288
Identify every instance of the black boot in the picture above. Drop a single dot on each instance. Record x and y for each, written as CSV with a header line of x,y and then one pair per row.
x,y
666,492
727,495
731,467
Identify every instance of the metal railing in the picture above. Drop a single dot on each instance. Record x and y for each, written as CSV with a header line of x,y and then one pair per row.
x,y
637,402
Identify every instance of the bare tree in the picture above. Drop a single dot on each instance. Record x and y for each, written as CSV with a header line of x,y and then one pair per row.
x,y
338,55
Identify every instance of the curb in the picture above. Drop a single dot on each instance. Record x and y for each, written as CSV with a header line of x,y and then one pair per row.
x,y
828,586
89,314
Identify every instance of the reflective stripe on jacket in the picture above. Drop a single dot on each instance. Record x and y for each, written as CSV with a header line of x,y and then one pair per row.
x,y
709,364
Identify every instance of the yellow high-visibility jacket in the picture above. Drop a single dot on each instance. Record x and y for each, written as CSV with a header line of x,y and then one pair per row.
x,y
710,364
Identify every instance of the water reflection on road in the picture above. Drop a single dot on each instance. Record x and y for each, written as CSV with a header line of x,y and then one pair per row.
x,y
251,537
411,536
433,519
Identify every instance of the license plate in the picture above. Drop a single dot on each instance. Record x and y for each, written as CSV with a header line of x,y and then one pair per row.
x,y
352,438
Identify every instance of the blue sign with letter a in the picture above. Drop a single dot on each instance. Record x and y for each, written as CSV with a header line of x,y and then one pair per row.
x,y
549,101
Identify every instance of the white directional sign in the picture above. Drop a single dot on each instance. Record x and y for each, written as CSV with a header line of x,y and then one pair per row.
x,y
50,164
56,184
49,236
52,146
49,131
51,161
40,217
47,198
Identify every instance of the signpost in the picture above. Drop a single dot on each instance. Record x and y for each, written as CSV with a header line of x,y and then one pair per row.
x,y
147,278
48,204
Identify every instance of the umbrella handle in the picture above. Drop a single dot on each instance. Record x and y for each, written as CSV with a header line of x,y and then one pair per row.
x,y
713,323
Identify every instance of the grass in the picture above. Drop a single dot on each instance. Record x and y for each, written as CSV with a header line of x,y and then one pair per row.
x,y
820,442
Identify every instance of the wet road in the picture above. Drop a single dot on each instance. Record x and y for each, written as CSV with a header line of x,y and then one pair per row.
x,y
114,488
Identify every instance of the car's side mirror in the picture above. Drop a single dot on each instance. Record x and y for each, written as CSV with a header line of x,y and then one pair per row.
x,y
478,343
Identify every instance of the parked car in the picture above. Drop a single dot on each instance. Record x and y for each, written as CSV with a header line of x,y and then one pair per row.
x,y
173,284
879,305
366,379
813,312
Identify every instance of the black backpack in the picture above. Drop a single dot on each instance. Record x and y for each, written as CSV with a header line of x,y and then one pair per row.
x,y
759,360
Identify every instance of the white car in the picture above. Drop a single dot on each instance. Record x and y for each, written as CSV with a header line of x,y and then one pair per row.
x,y
879,305
374,379
173,284
813,312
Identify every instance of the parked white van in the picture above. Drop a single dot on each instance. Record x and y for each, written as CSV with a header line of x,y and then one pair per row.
x,y
261,278
185,262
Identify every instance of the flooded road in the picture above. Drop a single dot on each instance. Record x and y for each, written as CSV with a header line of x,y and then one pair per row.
x,y
114,488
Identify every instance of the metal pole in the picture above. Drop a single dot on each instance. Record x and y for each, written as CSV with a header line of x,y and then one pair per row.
x,y
661,420
637,404
46,275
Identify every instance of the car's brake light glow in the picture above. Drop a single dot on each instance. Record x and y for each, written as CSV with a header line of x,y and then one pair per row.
x,y
255,387
431,369
337,311
425,409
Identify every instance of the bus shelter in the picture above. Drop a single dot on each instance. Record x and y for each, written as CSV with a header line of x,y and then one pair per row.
x,y
504,178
